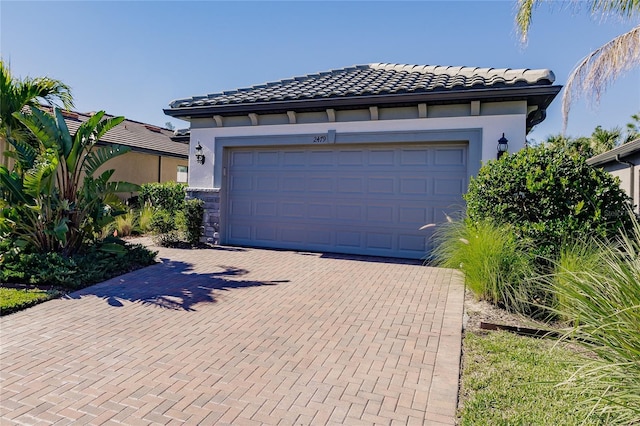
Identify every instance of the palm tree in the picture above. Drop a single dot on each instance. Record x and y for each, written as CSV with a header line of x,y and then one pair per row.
x,y
15,94
604,65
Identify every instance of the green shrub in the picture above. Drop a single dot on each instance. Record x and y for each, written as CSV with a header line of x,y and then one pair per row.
x,y
497,266
93,265
602,298
163,222
549,197
167,196
193,213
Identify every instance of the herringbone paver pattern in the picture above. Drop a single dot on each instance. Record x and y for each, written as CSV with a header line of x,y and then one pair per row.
x,y
243,337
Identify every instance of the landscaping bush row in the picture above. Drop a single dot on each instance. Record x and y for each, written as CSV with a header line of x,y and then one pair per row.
x,y
548,236
96,263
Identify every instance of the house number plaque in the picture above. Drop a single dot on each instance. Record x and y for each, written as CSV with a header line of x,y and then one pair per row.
x,y
320,139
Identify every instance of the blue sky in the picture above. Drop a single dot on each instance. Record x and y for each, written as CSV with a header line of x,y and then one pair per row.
x,y
132,58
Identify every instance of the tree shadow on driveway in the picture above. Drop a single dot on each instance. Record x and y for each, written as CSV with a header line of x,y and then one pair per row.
x,y
171,285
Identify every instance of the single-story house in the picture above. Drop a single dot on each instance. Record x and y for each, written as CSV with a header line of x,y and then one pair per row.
x,y
154,157
624,162
157,154
353,160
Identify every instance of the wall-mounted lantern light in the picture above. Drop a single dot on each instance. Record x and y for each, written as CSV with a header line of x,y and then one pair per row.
x,y
503,146
199,154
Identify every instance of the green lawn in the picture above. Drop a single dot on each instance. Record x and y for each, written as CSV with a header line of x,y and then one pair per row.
x,y
511,380
12,299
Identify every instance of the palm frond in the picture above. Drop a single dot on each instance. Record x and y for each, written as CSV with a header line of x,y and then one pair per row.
x,y
46,89
524,17
624,8
592,76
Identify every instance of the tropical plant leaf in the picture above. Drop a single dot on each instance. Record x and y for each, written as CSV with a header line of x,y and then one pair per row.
x,y
64,136
11,183
24,152
105,125
60,230
84,137
41,125
112,248
96,158
39,180
119,187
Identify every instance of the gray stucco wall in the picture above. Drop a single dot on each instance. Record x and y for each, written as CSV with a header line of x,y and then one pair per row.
x,y
629,176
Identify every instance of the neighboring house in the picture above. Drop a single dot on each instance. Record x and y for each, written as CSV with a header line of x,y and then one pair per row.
x,y
157,155
154,155
623,162
353,160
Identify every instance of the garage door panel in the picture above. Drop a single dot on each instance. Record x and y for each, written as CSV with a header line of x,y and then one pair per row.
x,y
320,184
350,158
380,214
267,183
413,215
382,241
293,210
321,158
414,186
413,243
266,232
267,158
350,184
240,232
414,157
381,157
360,200
450,157
294,184
348,239
239,207
448,186
351,213
319,238
240,158
266,208
294,158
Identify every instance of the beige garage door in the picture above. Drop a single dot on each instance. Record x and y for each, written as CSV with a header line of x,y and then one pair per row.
x,y
356,199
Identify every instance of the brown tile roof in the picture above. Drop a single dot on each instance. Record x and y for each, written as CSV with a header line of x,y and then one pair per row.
x,y
374,80
139,136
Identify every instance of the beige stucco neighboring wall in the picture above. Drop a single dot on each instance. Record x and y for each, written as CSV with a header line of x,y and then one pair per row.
x,y
139,168
170,168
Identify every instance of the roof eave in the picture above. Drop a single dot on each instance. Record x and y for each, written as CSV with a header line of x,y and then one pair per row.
x,y
621,151
536,95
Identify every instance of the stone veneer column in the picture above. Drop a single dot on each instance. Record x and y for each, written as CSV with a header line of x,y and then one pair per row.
x,y
211,219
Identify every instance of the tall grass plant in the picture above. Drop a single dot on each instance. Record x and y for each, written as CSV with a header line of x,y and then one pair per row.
x,y
598,290
497,265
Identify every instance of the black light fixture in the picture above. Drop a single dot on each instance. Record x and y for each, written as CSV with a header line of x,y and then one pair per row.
x,y
199,154
503,146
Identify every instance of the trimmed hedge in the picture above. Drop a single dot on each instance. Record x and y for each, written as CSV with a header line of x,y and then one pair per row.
x,y
549,197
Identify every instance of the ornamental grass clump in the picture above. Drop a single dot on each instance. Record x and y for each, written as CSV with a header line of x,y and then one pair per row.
x,y
602,301
496,264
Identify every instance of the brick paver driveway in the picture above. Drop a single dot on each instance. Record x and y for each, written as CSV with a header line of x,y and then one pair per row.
x,y
241,336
